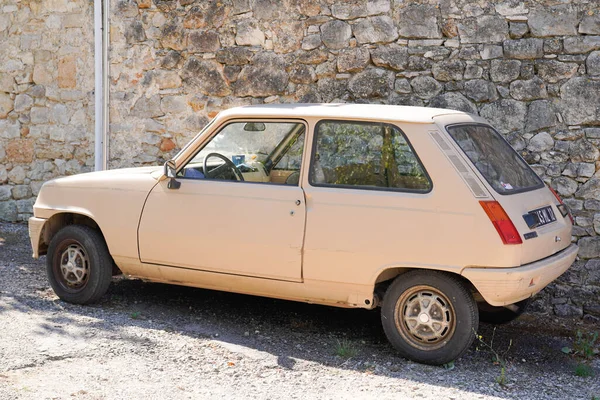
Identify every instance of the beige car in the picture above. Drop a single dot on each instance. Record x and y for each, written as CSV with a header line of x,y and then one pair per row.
x,y
426,213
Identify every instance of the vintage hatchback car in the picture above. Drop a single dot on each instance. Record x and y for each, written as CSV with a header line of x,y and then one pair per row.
x,y
428,213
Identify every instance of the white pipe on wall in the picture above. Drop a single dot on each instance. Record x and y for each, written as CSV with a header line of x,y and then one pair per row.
x,y
106,93
98,88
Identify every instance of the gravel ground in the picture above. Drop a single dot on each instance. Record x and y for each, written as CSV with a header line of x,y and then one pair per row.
x,y
153,341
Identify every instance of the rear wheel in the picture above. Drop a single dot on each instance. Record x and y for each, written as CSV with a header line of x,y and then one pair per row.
x,y
78,264
429,316
501,315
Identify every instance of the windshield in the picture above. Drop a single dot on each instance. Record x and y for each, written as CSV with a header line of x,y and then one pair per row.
x,y
250,139
499,163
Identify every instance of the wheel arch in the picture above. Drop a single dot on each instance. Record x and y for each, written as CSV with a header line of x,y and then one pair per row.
x,y
65,218
58,221
386,276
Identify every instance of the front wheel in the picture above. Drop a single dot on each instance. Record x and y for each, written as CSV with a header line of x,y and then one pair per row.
x,y
429,316
78,264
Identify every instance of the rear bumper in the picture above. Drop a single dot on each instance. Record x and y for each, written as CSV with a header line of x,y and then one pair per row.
x,y
35,230
502,286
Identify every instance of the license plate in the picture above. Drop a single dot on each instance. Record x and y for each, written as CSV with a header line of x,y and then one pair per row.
x,y
541,216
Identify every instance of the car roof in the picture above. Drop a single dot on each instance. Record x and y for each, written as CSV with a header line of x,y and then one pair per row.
x,y
422,115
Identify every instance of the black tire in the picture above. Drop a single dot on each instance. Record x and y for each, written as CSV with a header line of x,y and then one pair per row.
x,y
452,305
79,253
501,315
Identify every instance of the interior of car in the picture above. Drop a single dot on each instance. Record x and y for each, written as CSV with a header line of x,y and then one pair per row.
x,y
251,151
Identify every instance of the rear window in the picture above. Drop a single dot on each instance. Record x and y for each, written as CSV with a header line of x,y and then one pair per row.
x,y
499,163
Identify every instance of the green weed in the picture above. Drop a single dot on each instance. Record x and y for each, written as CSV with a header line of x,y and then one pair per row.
x,y
345,349
498,357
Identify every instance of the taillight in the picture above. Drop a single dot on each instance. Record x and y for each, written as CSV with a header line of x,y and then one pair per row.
x,y
506,229
562,207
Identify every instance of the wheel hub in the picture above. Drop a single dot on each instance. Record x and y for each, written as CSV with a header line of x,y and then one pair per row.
x,y
74,266
425,317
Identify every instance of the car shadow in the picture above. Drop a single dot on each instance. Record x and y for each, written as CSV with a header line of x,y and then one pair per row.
x,y
351,339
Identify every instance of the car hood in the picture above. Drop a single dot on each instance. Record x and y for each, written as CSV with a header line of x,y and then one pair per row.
x,y
104,179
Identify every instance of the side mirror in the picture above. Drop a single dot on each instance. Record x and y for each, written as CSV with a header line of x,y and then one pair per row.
x,y
171,172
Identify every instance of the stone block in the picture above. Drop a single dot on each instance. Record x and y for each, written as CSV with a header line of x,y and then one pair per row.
x,y
171,36
540,115
589,190
473,71
311,42
553,71
174,104
565,186
580,101
453,101
353,59
348,11
419,21
425,87
235,56
450,70
491,51
589,247
484,29
39,115
506,115
25,206
21,192
372,83
541,142
480,90
392,56
17,175
167,79
592,63
206,76
147,107
581,44
288,37
504,71
23,102
336,34
559,20
380,29
531,89
6,104
265,77
303,74
583,151
5,192
9,129
590,24
517,30
203,42
8,211
20,150
134,33
249,34
523,49
67,72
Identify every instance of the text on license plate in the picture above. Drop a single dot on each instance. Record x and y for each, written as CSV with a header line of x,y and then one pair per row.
x,y
544,215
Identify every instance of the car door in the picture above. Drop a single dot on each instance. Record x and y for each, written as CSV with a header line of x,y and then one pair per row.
x,y
220,224
369,202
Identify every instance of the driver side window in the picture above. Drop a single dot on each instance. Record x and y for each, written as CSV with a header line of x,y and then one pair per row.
x,y
251,151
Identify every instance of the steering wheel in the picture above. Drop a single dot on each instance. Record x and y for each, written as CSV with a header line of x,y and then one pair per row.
x,y
218,170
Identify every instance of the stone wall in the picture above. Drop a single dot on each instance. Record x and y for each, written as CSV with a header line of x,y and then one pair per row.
x,y
530,67
46,97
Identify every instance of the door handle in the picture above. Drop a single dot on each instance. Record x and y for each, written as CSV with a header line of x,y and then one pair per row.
x,y
298,202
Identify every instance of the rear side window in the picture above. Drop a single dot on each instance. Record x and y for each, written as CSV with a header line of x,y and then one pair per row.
x,y
499,163
365,155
